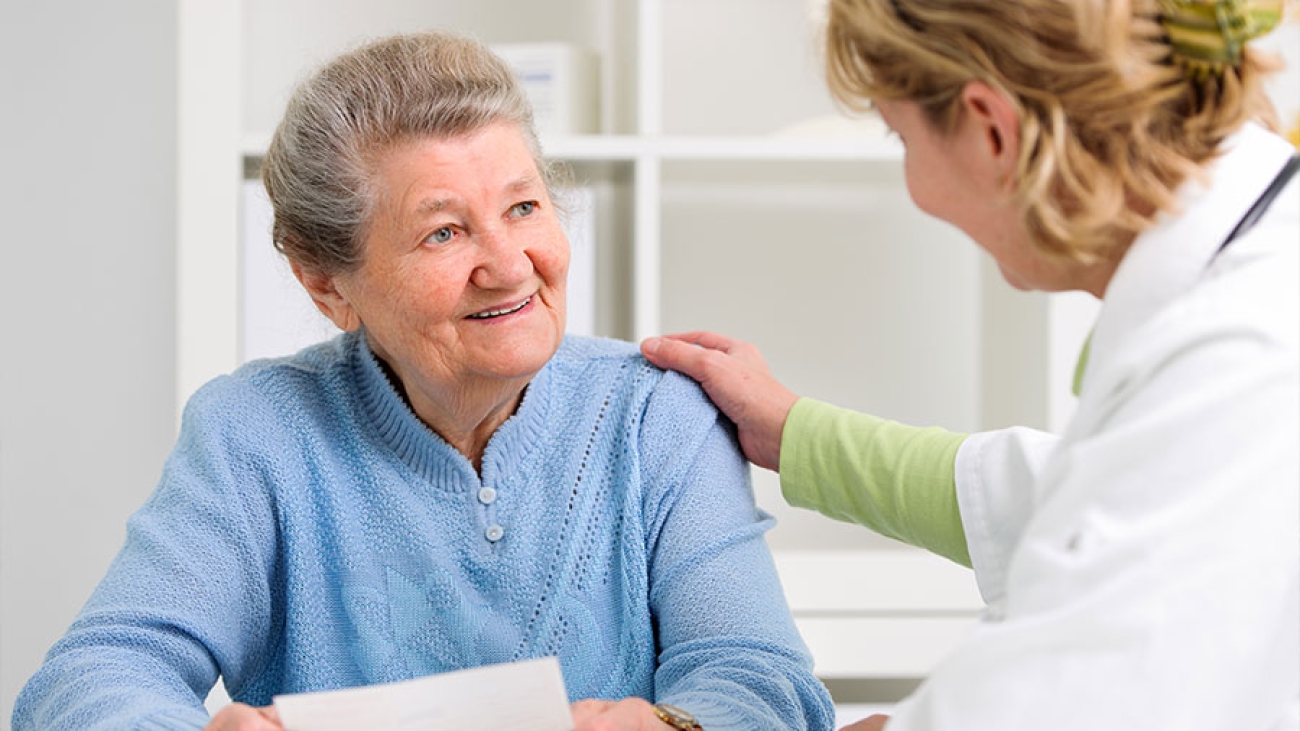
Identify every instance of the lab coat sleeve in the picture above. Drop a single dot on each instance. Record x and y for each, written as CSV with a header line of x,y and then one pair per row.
x,y
996,473
1151,578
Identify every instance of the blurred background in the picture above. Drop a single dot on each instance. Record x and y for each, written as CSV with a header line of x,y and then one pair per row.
x,y
717,187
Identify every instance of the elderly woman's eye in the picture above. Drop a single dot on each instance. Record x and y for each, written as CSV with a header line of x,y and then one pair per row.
x,y
441,236
523,209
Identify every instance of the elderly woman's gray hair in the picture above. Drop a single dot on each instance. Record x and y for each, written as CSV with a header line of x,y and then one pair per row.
x,y
319,168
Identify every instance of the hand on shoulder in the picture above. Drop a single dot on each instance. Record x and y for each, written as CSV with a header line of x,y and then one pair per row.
x,y
733,374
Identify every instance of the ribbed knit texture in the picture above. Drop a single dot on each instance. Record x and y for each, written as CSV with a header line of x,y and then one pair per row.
x,y
310,533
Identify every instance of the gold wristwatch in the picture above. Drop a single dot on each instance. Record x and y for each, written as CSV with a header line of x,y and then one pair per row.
x,y
677,718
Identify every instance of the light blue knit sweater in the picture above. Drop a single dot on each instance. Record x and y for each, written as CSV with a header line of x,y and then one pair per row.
x,y
309,532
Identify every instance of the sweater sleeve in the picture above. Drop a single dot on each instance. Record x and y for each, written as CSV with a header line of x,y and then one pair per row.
x,y
185,599
729,651
895,479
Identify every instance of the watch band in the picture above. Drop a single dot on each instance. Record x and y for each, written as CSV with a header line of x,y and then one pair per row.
x,y
677,718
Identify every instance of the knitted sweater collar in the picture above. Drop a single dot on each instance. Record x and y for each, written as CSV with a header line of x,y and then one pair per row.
x,y
430,456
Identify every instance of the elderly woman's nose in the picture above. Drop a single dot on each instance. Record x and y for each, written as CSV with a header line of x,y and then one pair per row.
x,y
504,260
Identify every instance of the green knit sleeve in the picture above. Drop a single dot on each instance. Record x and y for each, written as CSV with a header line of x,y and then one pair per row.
x,y
895,479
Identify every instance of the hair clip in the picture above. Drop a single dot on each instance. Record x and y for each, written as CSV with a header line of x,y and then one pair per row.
x,y
1207,36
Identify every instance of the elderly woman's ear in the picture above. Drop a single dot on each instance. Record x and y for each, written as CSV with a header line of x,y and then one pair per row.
x,y
329,300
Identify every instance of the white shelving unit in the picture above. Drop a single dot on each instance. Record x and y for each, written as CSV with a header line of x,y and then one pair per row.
x,y
728,199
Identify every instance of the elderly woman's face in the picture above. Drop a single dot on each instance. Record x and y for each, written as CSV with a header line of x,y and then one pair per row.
x,y
464,267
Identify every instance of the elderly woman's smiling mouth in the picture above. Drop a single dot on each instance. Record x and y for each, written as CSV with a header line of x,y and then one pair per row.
x,y
501,311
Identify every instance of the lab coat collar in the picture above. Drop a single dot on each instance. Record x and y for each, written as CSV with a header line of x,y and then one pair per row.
x,y
1167,259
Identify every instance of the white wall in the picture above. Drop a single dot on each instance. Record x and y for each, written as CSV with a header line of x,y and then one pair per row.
x,y
87,201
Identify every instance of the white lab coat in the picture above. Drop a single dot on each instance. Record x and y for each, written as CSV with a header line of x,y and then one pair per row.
x,y
1142,570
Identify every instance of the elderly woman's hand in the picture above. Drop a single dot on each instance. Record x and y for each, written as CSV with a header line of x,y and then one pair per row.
x,y
243,717
629,714
735,376
870,723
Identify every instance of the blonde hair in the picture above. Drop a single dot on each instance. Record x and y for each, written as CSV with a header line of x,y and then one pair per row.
x,y
1109,125
318,169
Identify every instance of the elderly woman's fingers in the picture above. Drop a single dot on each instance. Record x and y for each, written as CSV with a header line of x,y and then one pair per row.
x,y
629,714
870,723
241,717
585,710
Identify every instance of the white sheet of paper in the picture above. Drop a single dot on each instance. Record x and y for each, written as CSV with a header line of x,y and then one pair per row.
x,y
519,696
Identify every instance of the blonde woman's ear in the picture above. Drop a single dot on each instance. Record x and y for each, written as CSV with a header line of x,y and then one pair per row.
x,y
324,292
996,123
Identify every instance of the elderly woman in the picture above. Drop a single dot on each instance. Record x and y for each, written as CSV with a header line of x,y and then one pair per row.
x,y
451,482
1143,568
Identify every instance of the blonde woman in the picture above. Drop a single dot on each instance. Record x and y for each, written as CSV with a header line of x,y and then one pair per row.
x,y
1142,569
